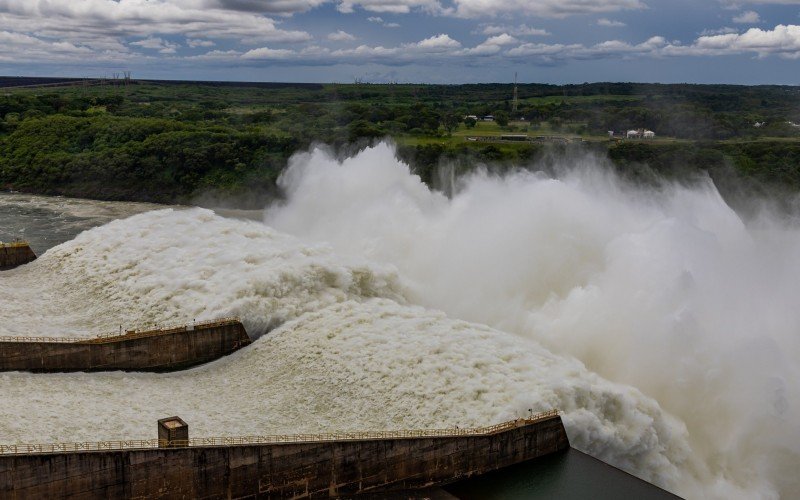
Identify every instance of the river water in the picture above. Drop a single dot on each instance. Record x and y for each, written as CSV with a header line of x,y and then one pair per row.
x,y
46,222
662,324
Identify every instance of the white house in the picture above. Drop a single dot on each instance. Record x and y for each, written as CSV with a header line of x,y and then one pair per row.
x,y
649,134
633,134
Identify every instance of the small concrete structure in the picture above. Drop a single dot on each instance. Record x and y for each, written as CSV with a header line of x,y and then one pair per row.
x,y
15,254
155,350
172,433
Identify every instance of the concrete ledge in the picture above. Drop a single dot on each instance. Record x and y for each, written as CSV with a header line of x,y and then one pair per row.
x,y
280,470
156,350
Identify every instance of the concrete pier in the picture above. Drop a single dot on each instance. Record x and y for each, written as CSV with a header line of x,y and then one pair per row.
x,y
15,254
154,350
377,463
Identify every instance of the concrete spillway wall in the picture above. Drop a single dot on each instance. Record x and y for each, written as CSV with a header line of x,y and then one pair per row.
x,y
281,470
156,350
15,254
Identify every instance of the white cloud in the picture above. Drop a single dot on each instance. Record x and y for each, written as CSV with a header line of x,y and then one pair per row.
x,y
341,36
196,42
460,8
609,23
124,30
441,48
749,17
379,20
501,40
492,45
217,55
719,31
544,50
150,43
736,4
429,49
612,48
105,25
543,8
783,40
436,43
521,30
282,7
15,47
391,6
159,44
267,53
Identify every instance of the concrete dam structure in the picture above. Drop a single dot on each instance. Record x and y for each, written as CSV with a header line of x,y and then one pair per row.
x,y
160,350
301,466
15,254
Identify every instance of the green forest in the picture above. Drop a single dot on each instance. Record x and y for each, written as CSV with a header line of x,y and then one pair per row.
x,y
174,141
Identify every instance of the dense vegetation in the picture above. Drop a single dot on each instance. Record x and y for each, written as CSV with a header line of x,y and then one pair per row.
x,y
171,141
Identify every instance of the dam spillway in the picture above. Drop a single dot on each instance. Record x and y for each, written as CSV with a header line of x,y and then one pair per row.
x,y
160,350
15,254
300,466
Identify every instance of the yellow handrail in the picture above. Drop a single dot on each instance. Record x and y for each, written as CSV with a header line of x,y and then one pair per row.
x,y
146,444
104,338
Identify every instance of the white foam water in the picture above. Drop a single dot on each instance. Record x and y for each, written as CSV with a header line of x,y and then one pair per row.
x,y
658,321
665,288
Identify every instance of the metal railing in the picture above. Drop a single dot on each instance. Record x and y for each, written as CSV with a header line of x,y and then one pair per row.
x,y
147,444
15,244
105,338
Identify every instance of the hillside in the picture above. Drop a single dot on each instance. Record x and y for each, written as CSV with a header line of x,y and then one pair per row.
x,y
175,141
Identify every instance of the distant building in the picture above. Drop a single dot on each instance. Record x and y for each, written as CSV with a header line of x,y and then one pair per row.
x,y
611,133
649,134
474,117
633,134
488,118
759,124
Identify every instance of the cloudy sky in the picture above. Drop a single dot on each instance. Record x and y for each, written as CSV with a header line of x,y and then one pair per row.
x,y
437,41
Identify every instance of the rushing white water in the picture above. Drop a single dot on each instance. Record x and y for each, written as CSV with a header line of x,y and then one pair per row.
x,y
666,289
688,312
350,354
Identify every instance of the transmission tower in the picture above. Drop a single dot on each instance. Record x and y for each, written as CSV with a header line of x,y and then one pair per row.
x,y
516,96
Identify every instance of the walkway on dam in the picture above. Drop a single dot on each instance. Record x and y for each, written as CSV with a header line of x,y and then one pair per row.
x,y
146,444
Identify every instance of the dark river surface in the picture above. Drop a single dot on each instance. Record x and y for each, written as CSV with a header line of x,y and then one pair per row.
x,y
46,222
569,475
